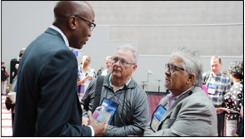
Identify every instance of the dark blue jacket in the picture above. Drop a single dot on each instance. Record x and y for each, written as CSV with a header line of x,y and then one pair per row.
x,y
47,103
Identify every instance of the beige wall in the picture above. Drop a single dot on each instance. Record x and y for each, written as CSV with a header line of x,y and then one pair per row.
x,y
154,28
214,27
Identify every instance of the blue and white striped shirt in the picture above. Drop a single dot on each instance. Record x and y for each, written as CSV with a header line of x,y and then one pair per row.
x,y
223,85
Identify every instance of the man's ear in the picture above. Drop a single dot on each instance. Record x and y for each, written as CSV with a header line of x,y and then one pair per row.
x,y
72,22
192,78
134,67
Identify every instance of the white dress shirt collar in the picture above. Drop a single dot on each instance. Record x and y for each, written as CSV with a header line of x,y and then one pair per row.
x,y
61,33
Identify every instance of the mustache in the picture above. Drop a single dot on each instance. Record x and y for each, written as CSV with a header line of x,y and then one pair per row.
x,y
168,79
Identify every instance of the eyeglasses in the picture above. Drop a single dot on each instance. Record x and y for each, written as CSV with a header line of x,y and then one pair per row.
x,y
122,62
171,68
92,25
87,61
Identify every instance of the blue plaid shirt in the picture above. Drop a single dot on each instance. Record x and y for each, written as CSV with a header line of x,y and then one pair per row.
x,y
223,85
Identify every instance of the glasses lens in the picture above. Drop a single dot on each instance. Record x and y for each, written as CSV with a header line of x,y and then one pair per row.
x,y
114,60
122,62
92,27
167,67
171,68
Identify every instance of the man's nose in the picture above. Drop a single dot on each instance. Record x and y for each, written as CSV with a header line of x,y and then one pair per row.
x,y
167,72
89,33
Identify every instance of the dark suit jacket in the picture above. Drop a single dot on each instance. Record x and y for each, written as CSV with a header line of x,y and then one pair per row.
x,y
47,103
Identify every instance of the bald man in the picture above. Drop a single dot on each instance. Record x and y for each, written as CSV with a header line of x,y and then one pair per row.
x,y
47,103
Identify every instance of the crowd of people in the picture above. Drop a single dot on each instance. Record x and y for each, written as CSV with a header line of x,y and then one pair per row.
x,y
56,96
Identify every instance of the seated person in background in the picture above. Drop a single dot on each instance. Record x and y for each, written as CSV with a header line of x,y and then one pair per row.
x,y
107,65
85,75
186,110
127,97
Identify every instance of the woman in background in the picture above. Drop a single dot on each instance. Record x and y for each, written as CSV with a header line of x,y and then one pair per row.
x,y
85,76
234,98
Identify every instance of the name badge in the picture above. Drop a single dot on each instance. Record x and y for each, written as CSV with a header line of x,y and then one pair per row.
x,y
156,118
211,88
111,109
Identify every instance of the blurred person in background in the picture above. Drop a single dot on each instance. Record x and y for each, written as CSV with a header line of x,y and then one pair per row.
x,y
240,129
8,102
4,78
108,65
100,70
218,85
85,76
234,98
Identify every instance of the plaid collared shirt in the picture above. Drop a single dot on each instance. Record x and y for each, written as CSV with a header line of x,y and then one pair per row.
x,y
223,85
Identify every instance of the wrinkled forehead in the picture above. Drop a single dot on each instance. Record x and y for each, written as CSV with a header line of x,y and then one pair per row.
x,y
126,54
214,61
175,60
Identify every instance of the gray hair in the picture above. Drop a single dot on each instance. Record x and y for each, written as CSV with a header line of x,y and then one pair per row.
x,y
236,69
108,57
129,47
191,62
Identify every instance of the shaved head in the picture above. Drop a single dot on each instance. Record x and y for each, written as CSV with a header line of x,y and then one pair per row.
x,y
75,20
64,9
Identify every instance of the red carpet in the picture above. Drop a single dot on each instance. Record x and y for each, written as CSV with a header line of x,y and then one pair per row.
x,y
153,100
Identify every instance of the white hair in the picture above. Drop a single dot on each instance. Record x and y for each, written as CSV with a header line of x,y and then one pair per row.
x,y
191,62
129,47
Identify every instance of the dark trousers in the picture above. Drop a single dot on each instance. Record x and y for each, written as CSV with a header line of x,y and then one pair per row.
x,y
220,119
13,113
13,121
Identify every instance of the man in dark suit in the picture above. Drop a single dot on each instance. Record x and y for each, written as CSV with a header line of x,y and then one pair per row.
x,y
47,103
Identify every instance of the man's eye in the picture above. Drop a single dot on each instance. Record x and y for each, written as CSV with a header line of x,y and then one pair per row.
x,y
123,61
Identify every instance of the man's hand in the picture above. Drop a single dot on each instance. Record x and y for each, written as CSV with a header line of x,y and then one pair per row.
x,y
90,78
99,129
220,110
8,102
84,121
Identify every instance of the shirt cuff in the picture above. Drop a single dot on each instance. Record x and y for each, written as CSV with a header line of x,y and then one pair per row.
x,y
92,130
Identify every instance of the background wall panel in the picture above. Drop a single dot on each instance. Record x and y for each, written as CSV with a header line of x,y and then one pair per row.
x,y
155,28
